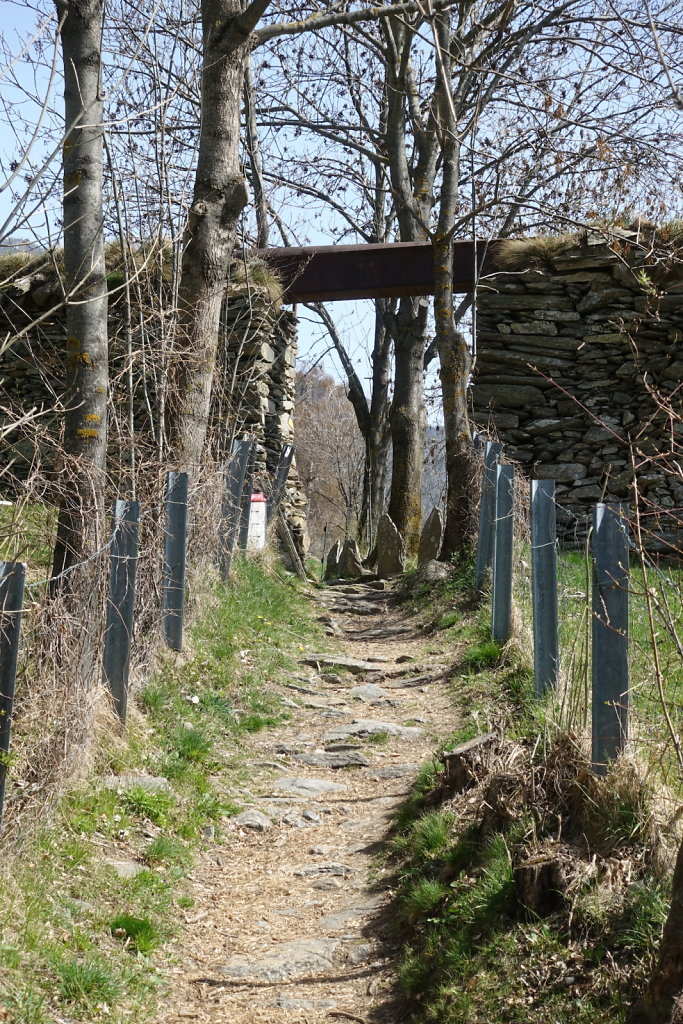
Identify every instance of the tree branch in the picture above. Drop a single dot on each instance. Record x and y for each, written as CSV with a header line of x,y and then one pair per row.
x,y
318,21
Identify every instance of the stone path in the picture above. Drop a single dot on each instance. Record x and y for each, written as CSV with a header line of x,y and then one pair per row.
x,y
291,922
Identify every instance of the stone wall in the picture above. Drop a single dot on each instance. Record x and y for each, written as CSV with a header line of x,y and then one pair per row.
x,y
580,362
253,391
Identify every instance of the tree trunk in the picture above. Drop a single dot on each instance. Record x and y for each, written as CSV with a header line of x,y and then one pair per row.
x,y
219,197
85,431
461,520
662,1002
454,357
407,423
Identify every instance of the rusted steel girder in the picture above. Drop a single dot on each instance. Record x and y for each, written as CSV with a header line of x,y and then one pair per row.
x,y
325,273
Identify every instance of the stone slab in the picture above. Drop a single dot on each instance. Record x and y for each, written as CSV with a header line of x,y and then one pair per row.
x,y
150,783
341,919
334,759
368,691
430,537
352,664
304,787
284,961
391,555
372,727
253,819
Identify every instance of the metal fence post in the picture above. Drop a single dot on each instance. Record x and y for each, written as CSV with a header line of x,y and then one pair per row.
x,y
232,501
280,482
12,578
492,452
123,563
173,600
245,502
501,605
610,633
544,585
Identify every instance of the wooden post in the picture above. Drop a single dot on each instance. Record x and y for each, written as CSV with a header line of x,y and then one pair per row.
x,y
123,561
610,634
544,585
12,579
175,548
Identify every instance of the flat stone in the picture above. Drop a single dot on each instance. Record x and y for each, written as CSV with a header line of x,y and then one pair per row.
x,y
332,678
342,918
334,759
256,820
371,727
312,817
352,664
359,953
391,555
327,884
395,771
289,1003
151,783
564,472
124,868
314,702
369,691
294,820
333,868
301,786
430,537
355,824
284,961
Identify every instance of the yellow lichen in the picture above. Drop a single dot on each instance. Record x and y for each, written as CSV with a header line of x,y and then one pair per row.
x,y
93,417
87,433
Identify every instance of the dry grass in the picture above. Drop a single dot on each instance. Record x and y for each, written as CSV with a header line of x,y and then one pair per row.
x,y
533,253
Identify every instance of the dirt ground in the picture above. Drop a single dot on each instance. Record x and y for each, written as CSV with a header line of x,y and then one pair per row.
x,y
290,924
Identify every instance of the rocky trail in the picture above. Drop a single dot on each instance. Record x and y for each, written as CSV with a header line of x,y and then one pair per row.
x,y
290,922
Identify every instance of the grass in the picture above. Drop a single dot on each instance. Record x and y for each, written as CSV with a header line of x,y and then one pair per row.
x,y
27,532
138,933
80,943
471,952
647,721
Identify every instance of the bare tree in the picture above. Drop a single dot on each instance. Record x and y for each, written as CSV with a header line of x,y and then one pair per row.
x,y
85,427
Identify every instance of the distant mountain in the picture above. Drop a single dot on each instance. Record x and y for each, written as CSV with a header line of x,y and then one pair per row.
x,y
12,244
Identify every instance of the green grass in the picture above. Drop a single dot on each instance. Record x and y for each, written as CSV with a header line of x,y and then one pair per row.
x,y
138,933
80,943
86,984
27,531
646,715
471,953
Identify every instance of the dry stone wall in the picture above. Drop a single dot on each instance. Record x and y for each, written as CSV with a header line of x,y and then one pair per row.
x,y
579,363
253,392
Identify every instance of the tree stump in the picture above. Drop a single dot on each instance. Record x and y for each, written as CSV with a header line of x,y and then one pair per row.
x,y
462,765
541,883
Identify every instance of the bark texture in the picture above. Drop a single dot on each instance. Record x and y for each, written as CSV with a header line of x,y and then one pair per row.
x,y
454,356
662,1002
85,426
412,185
407,423
219,197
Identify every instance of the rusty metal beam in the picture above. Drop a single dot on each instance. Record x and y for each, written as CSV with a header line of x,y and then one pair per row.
x,y
329,273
